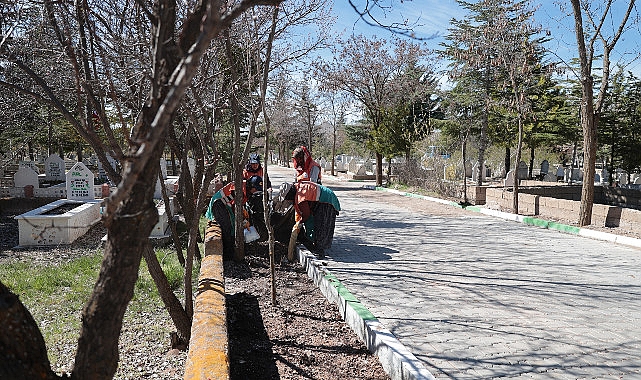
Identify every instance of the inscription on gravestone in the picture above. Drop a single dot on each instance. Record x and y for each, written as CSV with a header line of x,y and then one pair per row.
x,y
55,168
80,183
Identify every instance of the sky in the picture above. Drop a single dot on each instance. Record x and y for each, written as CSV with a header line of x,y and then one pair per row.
x,y
432,19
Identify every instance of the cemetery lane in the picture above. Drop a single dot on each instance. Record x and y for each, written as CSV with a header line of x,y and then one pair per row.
x,y
478,297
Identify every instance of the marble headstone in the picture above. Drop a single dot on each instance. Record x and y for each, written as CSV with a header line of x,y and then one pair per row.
x,y
80,183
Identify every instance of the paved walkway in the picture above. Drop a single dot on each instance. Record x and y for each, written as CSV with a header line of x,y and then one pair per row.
x,y
479,297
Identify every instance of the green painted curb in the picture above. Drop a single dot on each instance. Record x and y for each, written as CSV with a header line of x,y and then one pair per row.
x,y
564,228
358,307
536,222
455,204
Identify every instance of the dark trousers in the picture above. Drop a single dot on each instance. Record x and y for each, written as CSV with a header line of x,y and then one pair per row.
x,y
221,214
324,223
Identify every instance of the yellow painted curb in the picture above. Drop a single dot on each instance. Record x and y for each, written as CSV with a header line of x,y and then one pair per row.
x,y
208,356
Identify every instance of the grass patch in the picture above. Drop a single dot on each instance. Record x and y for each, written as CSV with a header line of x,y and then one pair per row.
x,y
55,294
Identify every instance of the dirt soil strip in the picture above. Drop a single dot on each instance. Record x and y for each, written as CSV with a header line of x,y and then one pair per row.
x,y
303,336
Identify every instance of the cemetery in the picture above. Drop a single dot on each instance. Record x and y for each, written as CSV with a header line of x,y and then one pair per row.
x,y
65,201
558,196
551,191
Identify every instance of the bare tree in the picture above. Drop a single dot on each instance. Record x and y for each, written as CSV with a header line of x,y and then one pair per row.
x,y
307,108
587,38
338,109
368,71
130,213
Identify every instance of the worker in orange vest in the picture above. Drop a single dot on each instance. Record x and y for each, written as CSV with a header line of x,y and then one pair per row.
x,y
306,168
316,210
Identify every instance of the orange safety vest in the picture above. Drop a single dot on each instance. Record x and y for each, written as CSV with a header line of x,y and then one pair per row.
x,y
306,191
226,195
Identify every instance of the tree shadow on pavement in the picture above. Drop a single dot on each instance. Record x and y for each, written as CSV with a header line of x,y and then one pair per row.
x,y
352,250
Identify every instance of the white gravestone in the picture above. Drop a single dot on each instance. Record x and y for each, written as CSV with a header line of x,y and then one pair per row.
x,y
509,179
573,174
475,172
323,163
369,166
163,168
577,174
102,174
55,168
191,163
25,176
605,176
353,166
29,164
80,183
560,172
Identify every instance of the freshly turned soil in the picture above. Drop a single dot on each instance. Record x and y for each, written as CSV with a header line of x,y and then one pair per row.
x,y
301,337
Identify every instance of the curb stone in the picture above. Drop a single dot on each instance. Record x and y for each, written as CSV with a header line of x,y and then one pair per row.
x,y
396,359
537,222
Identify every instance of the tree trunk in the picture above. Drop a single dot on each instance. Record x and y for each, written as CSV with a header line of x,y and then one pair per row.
x,y
481,160
334,151
515,186
182,320
573,162
588,122
589,163
127,237
23,354
379,169
530,171
464,157
49,133
79,153
174,170
507,161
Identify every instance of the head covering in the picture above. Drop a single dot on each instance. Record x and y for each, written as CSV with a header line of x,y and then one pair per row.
x,y
254,158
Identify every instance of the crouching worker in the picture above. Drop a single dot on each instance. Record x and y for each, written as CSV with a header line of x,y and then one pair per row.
x,y
221,210
316,210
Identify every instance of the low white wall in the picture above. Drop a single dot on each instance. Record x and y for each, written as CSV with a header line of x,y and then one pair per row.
x,y
36,229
